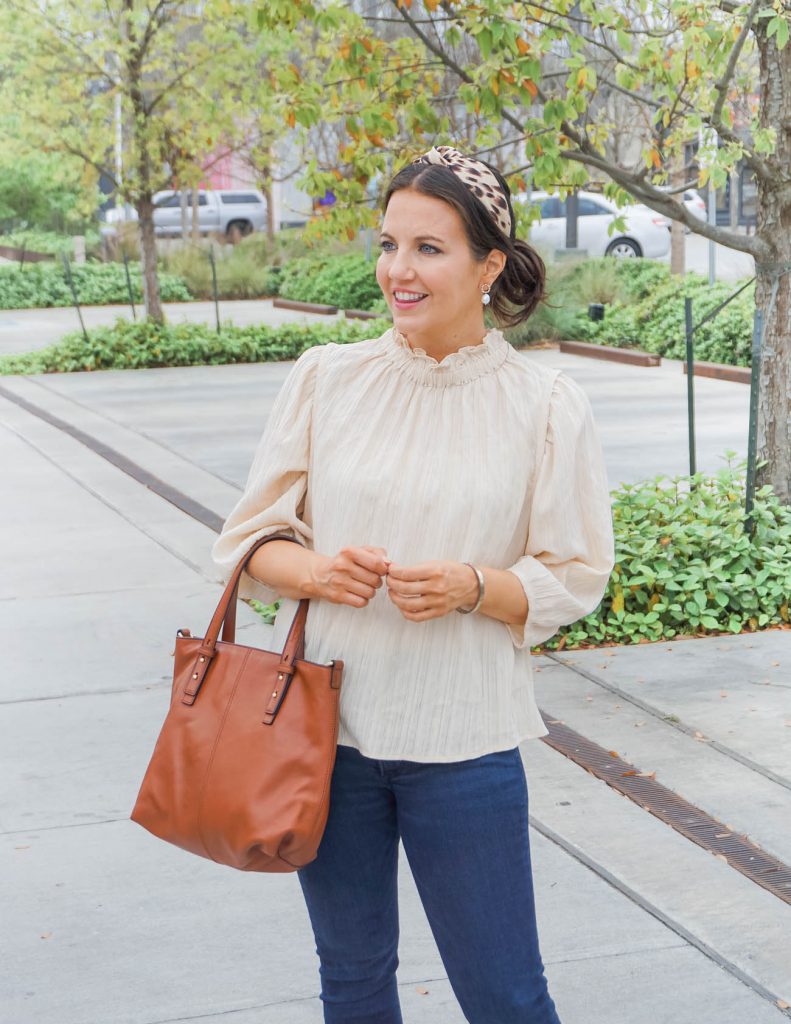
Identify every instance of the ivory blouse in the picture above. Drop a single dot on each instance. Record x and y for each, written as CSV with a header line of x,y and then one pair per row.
x,y
484,457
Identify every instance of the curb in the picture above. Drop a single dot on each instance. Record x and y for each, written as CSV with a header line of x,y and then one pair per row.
x,y
635,356
305,307
721,371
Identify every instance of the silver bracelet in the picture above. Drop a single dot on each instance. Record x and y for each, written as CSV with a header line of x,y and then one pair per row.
x,y
481,588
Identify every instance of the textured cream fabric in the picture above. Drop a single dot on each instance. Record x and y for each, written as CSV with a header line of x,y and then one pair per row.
x,y
484,457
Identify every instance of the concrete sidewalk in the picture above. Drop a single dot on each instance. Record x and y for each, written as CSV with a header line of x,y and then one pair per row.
x,y
106,925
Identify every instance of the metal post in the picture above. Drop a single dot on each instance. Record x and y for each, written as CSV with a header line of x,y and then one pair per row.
x,y
129,287
70,281
712,244
755,376
690,385
572,213
214,287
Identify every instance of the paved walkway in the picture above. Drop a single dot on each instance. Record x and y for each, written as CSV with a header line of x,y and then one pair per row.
x,y
105,925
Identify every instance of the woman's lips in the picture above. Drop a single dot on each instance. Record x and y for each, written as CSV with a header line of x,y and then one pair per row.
x,y
407,303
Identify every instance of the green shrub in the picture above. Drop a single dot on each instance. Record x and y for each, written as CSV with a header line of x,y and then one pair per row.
x,y
684,565
242,272
655,321
134,345
347,281
45,284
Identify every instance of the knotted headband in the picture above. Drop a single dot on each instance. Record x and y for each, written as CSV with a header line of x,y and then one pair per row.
x,y
477,177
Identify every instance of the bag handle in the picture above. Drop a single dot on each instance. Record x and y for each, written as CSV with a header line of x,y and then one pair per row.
x,y
225,616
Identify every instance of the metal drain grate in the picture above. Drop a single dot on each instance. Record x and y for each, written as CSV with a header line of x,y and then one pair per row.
x,y
739,851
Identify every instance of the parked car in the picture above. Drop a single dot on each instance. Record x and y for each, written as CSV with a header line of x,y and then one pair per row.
x,y
646,232
693,201
233,212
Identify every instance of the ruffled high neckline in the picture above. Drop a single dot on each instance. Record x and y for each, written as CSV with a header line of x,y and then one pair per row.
x,y
467,364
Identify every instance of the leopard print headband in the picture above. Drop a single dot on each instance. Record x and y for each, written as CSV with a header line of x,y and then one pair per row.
x,y
478,179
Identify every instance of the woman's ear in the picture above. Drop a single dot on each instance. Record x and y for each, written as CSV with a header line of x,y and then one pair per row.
x,y
494,264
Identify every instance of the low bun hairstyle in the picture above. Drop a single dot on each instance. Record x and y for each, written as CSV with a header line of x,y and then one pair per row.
x,y
519,287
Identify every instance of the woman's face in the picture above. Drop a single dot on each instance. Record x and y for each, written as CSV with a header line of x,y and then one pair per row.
x,y
428,275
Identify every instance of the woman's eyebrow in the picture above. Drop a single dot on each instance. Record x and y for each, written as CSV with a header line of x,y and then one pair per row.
x,y
419,238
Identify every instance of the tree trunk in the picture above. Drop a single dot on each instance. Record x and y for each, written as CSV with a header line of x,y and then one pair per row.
x,y
195,194
678,242
145,190
184,207
773,277
148,259
268,191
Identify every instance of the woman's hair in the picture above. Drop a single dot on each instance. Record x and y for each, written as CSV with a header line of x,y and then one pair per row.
x,y
519,287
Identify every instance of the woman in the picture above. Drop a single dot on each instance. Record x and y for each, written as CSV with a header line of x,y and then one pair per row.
x,y
429,472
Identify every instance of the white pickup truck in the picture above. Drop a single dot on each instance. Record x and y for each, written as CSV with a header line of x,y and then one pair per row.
x,y
232,212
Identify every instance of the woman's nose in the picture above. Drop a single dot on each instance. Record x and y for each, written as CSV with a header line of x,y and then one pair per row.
x,y
400,267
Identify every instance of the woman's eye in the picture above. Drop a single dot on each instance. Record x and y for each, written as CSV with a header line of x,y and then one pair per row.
x,y
386,246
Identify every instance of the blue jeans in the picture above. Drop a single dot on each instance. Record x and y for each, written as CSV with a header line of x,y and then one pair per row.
x,y
465,833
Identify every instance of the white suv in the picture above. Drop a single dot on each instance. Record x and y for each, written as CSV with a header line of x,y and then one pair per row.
x,y
646,232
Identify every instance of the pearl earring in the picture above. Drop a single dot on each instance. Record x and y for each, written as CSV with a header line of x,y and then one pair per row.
x,y
486,297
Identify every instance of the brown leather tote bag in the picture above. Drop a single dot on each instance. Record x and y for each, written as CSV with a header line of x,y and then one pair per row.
x,y
241,770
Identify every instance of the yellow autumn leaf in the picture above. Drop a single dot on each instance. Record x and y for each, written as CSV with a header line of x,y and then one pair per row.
x,y
617,601
523,46
582,77
693,71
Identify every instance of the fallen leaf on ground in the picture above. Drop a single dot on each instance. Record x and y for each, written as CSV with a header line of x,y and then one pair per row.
x,y
613,753
647,775
723,693
721,835
699,736
636,724
46,935
632,772
782,1004
421,990
721,856
589,698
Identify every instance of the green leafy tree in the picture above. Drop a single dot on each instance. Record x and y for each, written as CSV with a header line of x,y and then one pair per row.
x,y
151,71
544,78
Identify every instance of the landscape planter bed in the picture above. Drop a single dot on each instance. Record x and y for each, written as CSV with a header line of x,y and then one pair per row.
x,y
10,252
635,356
305,307
363,314
722,371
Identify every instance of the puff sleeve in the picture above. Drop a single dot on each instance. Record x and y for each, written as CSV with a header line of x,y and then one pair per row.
x,y
273,500
569,553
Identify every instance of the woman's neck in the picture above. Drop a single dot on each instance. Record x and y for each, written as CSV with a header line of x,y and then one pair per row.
x,y
448,342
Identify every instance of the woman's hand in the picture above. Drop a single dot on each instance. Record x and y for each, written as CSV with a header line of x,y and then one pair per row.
x,y
431,589
352,577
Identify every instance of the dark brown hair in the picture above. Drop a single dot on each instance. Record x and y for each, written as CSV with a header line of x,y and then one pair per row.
x,y
519,287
